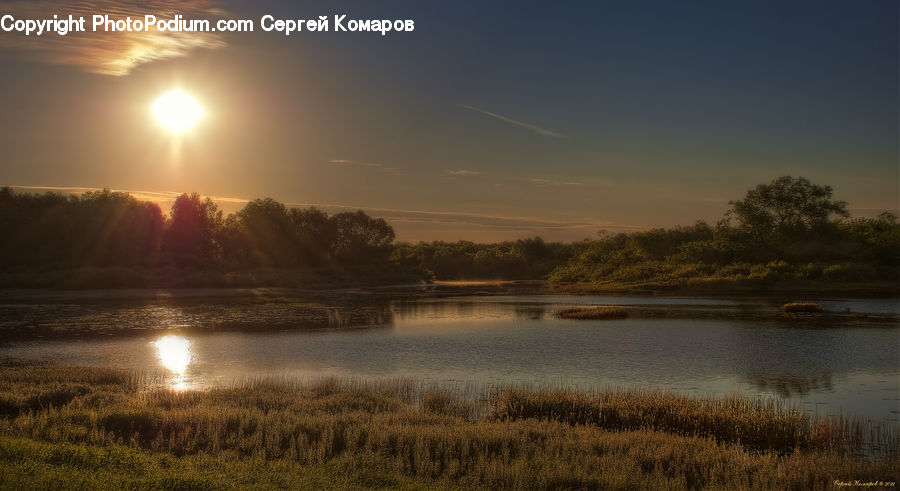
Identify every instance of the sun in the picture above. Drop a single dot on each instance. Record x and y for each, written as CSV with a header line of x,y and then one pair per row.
x,y
177,111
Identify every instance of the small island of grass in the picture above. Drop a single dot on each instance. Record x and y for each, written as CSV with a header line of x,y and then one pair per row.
x,y
593,312
802,308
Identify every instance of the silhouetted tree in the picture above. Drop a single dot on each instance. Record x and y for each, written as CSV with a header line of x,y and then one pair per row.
x,y
234,246
785,207
359,237
268,233
98,228
113,228
191,234
315,234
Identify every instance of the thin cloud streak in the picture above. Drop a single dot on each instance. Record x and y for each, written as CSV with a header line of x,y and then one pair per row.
x,y
155,196
110,53
464,172
546,183
536,129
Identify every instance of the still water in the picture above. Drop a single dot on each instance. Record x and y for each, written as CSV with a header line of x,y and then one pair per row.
x,y
517,339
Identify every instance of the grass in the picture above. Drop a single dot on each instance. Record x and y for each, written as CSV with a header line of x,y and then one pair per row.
x,y
115,429
802,307
599,312
754,423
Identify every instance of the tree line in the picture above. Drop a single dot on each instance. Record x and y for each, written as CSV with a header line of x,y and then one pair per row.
x,y
107,228
789,228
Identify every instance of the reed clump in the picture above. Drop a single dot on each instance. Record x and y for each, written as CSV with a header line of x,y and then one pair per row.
x,y
350,433
594,312
754,423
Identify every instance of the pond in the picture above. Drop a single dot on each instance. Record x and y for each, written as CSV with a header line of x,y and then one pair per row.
x,y
518,339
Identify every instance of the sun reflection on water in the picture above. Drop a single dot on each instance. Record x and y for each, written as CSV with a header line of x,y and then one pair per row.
x,y
174,353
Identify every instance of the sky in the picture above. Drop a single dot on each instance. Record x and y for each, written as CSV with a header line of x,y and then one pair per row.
x,y
490,121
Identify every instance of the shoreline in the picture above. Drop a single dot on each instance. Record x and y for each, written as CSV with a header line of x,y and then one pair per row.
x,y
441,288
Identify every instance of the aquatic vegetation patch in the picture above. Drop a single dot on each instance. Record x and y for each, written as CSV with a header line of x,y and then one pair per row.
x,y
802,307
594,312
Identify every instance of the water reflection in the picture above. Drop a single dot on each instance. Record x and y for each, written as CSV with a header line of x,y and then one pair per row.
x,y
491,340
174,353
530,312
792,385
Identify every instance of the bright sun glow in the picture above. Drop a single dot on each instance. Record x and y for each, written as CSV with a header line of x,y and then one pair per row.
x,y
177,111
174,353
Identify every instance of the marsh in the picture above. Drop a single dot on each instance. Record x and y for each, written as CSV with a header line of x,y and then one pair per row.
x,y
702,346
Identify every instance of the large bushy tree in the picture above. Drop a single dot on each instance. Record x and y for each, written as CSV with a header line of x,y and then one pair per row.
x,y
360,237
785,207
268,233
316,234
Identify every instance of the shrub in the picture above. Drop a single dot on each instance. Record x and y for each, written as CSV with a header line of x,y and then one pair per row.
x,y
772,271
735,270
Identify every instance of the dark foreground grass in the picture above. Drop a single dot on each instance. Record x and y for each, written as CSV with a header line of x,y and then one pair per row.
x,y
90,428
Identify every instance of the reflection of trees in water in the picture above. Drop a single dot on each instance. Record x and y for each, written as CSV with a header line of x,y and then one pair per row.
x,y
450,310
469,310
793,360
530,312
792,384
287,316
360,316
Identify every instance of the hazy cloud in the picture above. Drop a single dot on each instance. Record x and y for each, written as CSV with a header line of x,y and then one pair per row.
x,y
464,172
110,53
546,183
524,224
536,129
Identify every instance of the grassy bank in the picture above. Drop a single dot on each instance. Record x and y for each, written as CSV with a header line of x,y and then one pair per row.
x,y
103,428
729,287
